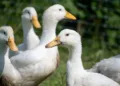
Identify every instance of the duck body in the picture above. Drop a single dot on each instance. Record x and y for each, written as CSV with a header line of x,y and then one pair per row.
x,y
10,75
84,78
37,64
92,81
76,74
109,67
38,69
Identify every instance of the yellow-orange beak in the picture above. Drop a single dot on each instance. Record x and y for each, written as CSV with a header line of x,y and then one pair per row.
x,y
36,22
70,16
12,44
53,43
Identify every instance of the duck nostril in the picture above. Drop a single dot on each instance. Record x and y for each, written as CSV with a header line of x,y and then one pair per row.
x,y
56,40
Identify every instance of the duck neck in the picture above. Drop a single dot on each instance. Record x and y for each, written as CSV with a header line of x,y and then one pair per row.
x,y
28,30
75,57
3,50
4,60
5,64
49,31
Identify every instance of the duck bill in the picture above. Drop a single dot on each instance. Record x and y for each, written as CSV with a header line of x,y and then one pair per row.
x,y
36,22
53,43
70,16
12,44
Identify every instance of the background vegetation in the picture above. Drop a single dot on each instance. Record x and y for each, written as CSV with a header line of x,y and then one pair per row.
x,y
98,22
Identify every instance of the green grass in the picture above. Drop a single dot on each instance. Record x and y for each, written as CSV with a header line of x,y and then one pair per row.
x,y
94,48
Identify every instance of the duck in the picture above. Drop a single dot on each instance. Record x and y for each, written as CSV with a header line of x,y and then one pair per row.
x,y
30,39
76,74
10,75
109,67
37,64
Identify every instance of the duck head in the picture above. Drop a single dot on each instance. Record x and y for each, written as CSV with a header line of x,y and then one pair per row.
x,y
66,37
7,37
56,13
29,14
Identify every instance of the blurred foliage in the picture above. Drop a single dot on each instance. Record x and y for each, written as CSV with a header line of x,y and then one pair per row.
x,y
98,23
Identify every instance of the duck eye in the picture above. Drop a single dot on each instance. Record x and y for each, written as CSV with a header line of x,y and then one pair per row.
x,y
60,9
4,33
67,34
28,12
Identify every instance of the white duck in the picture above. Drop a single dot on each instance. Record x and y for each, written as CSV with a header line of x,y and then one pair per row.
x,y
37,64
10,75
30,40
109,67
76,74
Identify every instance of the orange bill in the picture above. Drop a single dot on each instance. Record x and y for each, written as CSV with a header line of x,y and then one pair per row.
x,y
12,44
53,43
36,22
70,16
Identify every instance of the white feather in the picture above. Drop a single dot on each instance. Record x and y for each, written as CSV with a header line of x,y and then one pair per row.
x,y
76,74
30,40
37,64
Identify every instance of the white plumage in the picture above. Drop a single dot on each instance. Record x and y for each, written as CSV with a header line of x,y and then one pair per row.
x,y
10,75
109,67
37,64
30,40
76,74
